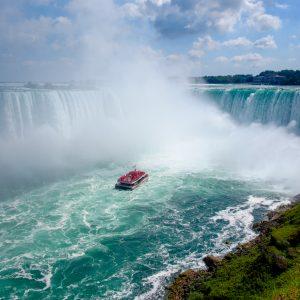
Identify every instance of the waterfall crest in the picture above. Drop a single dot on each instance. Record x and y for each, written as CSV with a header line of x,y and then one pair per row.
x,y
261,105
23,110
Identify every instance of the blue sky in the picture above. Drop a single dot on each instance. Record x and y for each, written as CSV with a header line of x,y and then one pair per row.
x,y
50,39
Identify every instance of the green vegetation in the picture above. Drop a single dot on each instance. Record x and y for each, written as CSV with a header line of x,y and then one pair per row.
x,y
284,77
265,268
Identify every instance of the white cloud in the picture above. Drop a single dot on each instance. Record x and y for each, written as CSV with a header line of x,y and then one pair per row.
x,y
207,43
91,29
174,57
259,19
222,59
281,5
85,31
254,59
20,32
131,10
203,44
249,57
264,22
240,41
265,42
152,54
178,17
160,2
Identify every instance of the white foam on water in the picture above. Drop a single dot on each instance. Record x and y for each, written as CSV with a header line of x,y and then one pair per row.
x,y
240,220
158,281
46,280
84,218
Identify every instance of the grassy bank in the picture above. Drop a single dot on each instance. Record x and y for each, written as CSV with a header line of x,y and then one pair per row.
x,y
267,267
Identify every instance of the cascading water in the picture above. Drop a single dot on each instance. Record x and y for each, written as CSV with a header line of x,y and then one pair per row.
x,y
23,110
210,179
280,106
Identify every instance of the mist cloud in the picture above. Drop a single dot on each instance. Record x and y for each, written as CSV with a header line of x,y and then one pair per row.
x,y
151,116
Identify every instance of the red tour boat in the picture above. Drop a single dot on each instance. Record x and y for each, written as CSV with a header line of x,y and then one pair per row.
x,y
131,180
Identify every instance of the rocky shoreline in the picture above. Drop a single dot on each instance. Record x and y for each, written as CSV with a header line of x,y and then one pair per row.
x,y
267,267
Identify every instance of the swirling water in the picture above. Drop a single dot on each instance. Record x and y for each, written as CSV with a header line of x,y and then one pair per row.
x,y
79,238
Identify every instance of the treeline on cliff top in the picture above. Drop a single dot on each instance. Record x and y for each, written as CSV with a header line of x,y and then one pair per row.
x,y
284,77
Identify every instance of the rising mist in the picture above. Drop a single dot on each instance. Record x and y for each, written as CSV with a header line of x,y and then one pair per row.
x,y
138,116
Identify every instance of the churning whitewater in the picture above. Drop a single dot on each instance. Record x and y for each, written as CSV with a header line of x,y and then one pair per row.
x,y
217,162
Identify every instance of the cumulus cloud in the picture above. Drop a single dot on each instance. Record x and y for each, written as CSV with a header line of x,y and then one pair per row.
x,y
207,43
178,17
240,41
17,31
265,42
203,44
132,10
173,18
222,59
70,34
264,22
281,5
259,19
255,59
249,57
31,40
161,2
81,31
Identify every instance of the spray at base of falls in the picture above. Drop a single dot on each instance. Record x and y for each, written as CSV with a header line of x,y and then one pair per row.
x,y
44,131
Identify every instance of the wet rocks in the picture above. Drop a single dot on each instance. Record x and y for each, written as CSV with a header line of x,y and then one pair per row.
x,y
296,198
279,263
212,262
181,287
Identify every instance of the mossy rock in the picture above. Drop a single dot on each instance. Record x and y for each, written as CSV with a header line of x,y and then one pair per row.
x,y
196,296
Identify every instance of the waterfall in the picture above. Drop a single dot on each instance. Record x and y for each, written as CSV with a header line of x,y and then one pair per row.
x,y
22,110
65,110
279,106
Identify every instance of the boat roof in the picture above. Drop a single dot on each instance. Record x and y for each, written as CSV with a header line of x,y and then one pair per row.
x,y
132,176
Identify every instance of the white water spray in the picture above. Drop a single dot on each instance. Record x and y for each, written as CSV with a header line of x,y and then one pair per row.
x,y
140,117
